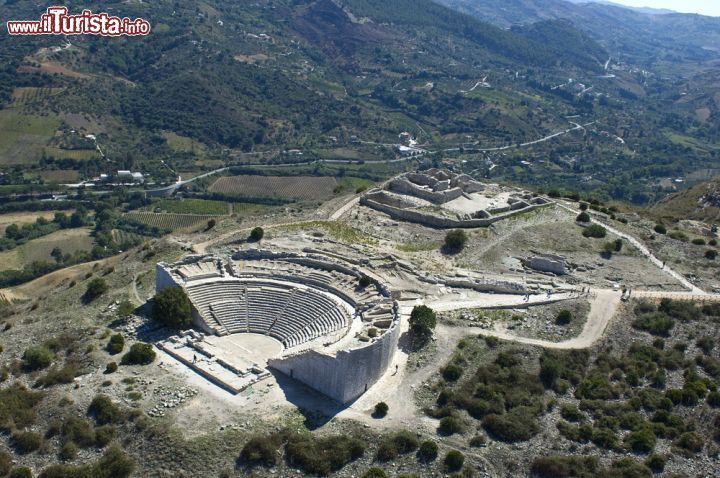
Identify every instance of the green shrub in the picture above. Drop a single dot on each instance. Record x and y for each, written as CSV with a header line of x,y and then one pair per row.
x,y
450,426
262,450
323,456
706,344
595,231
104,435
491,341
114,463
583,217
656,463
386,451
171,307
59,375
690,441
68,451
139,354
713,399
571,413
641,441
6,462
257,234
455,240
605,438
698,241
657,323
364,281
77,430
428,451
111,368
104,411
96,288
660,229
374,473
454,460
564,467
478,441
125,309
26,442
381,409
711,254
116,344
452,373
21,472
17,407
564,317
517,425
627,467
37,357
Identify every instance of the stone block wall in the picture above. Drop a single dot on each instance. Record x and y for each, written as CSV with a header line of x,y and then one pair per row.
x,y
346,375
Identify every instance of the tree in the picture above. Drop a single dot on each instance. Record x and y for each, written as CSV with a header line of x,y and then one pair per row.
x,y
618,245
564,317
660,229
211,223
711,254
583,217
381,409
172,307
583,206
57,254
96,288
257,234
364,281
423,320
455,241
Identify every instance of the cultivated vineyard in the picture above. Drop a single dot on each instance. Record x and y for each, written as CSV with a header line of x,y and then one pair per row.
x,y
281,187
171,221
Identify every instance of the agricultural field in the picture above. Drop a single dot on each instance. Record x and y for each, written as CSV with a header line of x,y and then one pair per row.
x,y
58,176
191,206
21,218
280,187
76,154
30,95
24,136
38,250
174,222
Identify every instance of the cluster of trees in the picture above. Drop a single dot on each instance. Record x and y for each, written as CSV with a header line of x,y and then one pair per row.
x,y
16,235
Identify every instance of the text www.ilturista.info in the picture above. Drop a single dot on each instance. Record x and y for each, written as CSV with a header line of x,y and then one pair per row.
x,y
57,22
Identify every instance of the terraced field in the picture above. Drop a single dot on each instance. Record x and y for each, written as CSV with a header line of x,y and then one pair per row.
x,y
174,222
280,187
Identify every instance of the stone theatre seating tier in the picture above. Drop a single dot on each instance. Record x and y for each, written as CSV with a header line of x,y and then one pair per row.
x,y
291,314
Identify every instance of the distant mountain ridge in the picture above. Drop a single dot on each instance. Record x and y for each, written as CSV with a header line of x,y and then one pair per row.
x,y
646,10
637,36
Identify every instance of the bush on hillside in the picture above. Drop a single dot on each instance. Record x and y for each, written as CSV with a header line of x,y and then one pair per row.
x,y
257,234
139,354
455,241
595,231
116,344
37,357
95,289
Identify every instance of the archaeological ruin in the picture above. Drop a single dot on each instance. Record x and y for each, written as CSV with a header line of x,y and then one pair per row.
x,y
299,313
442,199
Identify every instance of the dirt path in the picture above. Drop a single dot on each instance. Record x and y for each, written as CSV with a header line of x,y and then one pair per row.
x,y
643,250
